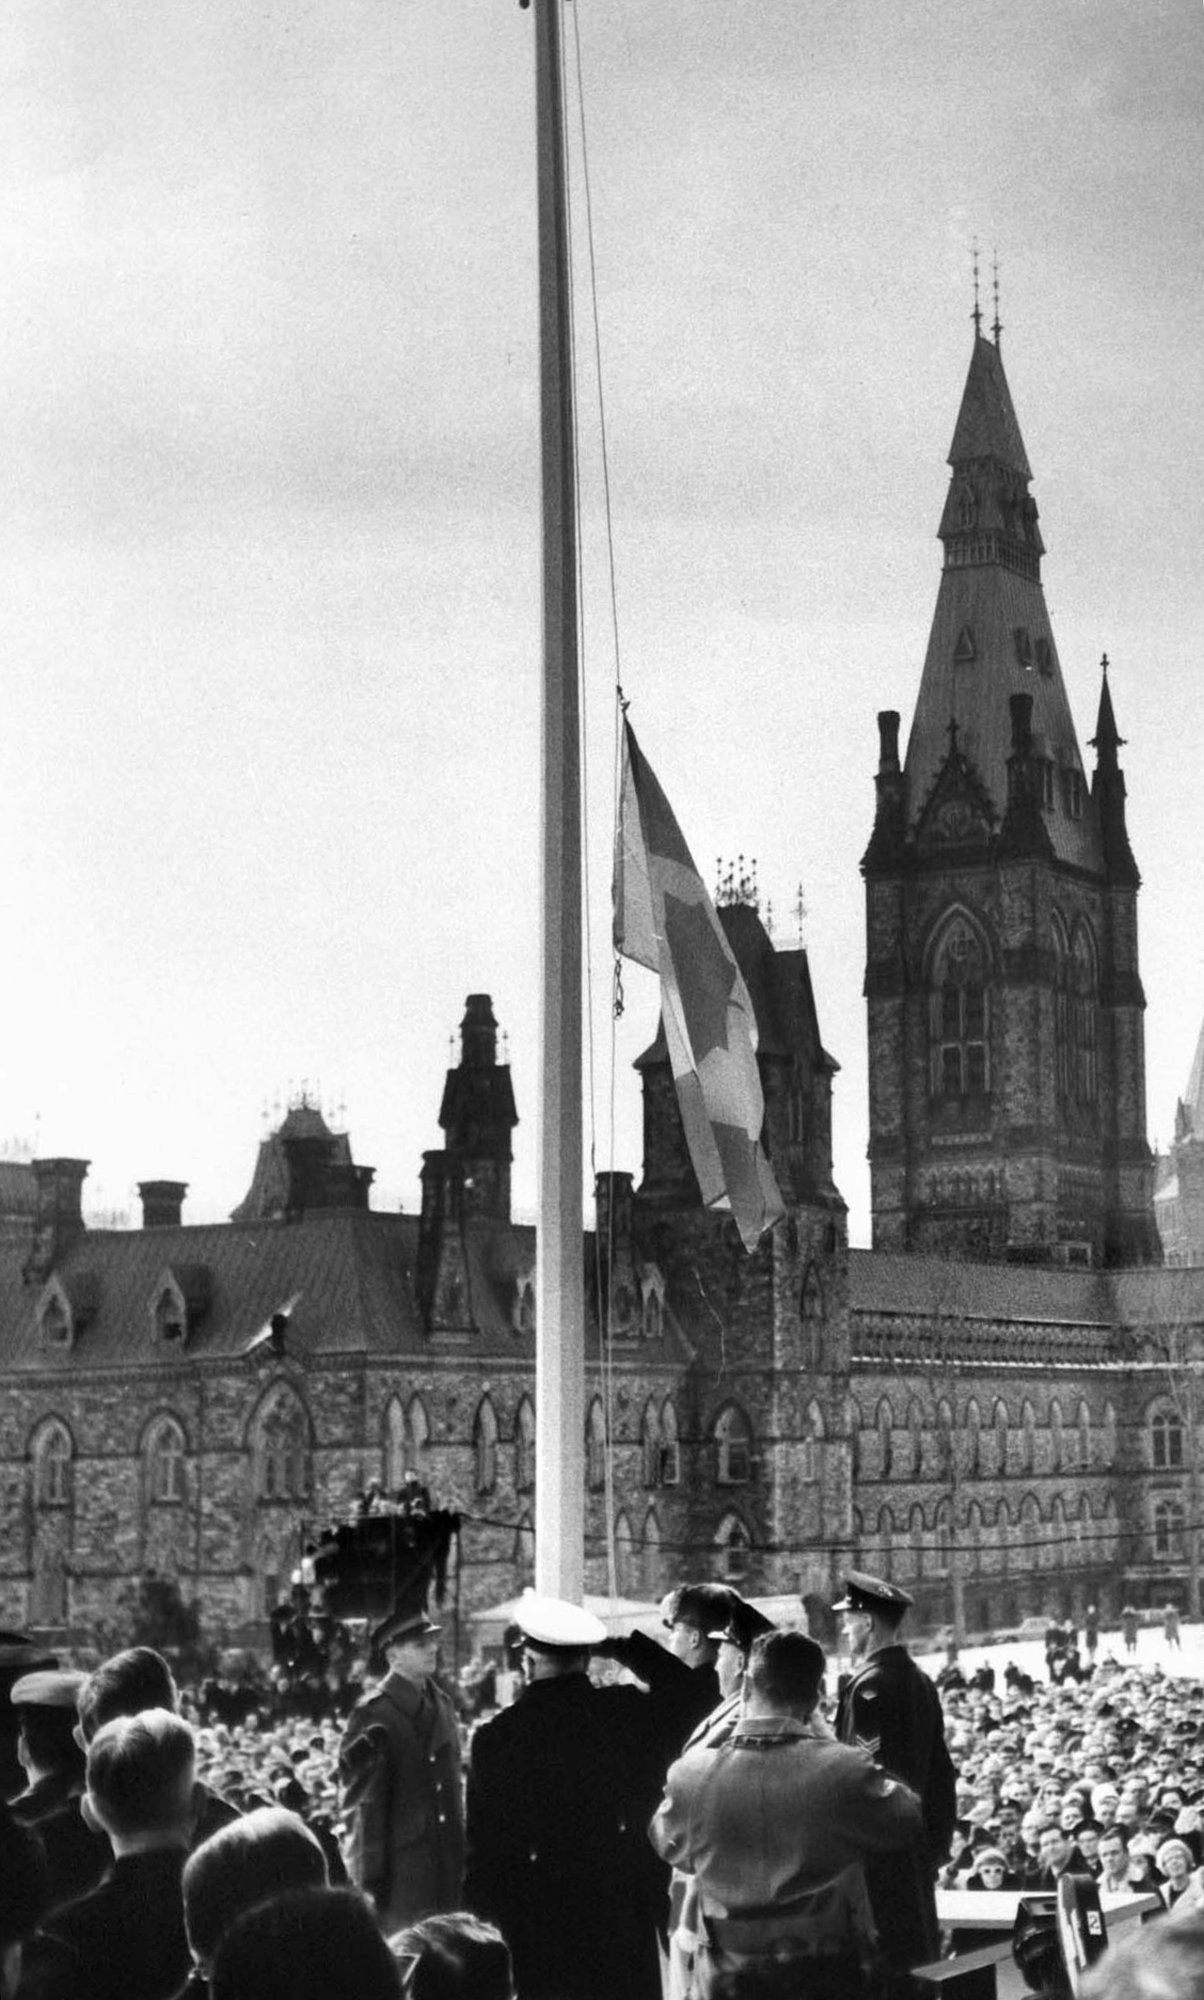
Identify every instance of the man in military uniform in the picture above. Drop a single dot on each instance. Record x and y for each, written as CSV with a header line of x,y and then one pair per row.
x,y
54,1766
891,1708
399,1765
558,1806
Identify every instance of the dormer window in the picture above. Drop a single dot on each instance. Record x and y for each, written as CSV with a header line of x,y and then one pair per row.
x,y
64,1309
1075,793
652,1301
178,1302
524,1303
1024,647
54,1320
965,649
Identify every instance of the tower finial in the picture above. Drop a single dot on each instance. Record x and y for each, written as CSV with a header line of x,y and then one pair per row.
x,y
1104,665
976,315
997,328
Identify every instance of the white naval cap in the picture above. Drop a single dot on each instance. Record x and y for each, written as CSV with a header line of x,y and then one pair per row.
x,y
551,1622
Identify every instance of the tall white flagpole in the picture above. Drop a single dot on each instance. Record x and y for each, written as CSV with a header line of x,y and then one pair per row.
x,y
560,1265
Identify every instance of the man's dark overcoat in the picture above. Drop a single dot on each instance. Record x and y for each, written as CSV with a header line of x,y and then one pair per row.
x,y
558,1851
891,1708
123,1941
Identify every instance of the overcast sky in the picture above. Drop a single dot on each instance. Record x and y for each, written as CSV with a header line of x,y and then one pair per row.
x,y
269,737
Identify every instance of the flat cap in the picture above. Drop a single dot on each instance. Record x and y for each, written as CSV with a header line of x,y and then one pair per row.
x,y
871,1593
50,1687
556,1626
409,1623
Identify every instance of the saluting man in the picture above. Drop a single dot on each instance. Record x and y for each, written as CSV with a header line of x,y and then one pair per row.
x,y
558,1808
399,1766
891,1708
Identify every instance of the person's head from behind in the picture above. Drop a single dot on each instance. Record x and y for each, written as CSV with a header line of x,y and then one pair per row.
x,y
125,1685
23,1896
785,1675
140,1782
453,1957
1162,1961
248,1862
309,1944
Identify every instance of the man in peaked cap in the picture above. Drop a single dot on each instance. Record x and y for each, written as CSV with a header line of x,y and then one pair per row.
x,y
399,1766
18,1656
49,1753
891,1708
561,1787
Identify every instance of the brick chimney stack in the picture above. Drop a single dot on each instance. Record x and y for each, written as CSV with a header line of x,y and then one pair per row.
x,y
162,1203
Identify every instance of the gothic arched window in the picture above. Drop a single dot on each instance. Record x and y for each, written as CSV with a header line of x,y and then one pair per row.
x,y
733,1439
281,1447
484,1446
1166,1440
52,1455
651,1565
524,1446
973,1438
1084,984
595,1448
1055,1434
1000,1421
650,1443
886,1426
164,1452
886,1542
735,1544
670,1447
1170,1521
811,1313
958,1014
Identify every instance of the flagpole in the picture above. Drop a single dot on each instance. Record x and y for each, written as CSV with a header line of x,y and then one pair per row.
x,y
560,1263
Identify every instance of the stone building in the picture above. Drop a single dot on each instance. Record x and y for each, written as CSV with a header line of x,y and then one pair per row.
x,y
1179,1175
996,1405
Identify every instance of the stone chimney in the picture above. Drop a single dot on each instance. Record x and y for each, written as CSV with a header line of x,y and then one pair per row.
x,y
58,1215
162,1203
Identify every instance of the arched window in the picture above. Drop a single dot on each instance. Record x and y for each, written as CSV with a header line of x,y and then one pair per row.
x,y
524,1446
1166,1440
52,1455
1033,1544
165,1463
733,1440
974,1532
595,1447
653,1314
1055,1434
886,1542
944,1437
1062,1004
650,1443
886,1426
670,1447
1083,1017
942,1539
625,1569
915,1538
735,1545
958,1019
1170,1520
524,1545
281,1446
652,1554
811,1313
1085,1527
1000,1426
855,1422
1028,1438
1109,1438
1003,1536
484,1446
973,1438
1109,1544
525,1307
915,1435
407,1434
1084,1436
812,1443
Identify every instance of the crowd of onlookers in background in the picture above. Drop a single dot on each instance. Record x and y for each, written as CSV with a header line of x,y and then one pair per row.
x,y
192,1821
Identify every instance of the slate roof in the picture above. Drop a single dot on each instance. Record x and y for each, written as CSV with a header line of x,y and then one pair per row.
x,y
354,1272
992,601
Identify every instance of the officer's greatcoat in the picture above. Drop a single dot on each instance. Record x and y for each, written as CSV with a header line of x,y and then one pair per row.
x,y
402,1803
558,1852
891,1708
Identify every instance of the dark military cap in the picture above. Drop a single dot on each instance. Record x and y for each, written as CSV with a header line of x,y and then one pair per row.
x,y
411,1622
744,1624
872,1593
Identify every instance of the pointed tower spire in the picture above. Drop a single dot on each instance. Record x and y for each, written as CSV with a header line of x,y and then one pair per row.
x,y
1109,792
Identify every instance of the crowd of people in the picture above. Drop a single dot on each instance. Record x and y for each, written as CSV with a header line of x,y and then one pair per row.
x,y
702,1819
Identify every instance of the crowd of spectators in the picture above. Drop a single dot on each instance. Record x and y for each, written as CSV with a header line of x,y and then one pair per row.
x,y
207,1820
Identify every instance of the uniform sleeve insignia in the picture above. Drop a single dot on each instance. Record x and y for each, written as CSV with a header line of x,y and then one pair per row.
x,y
870,1743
